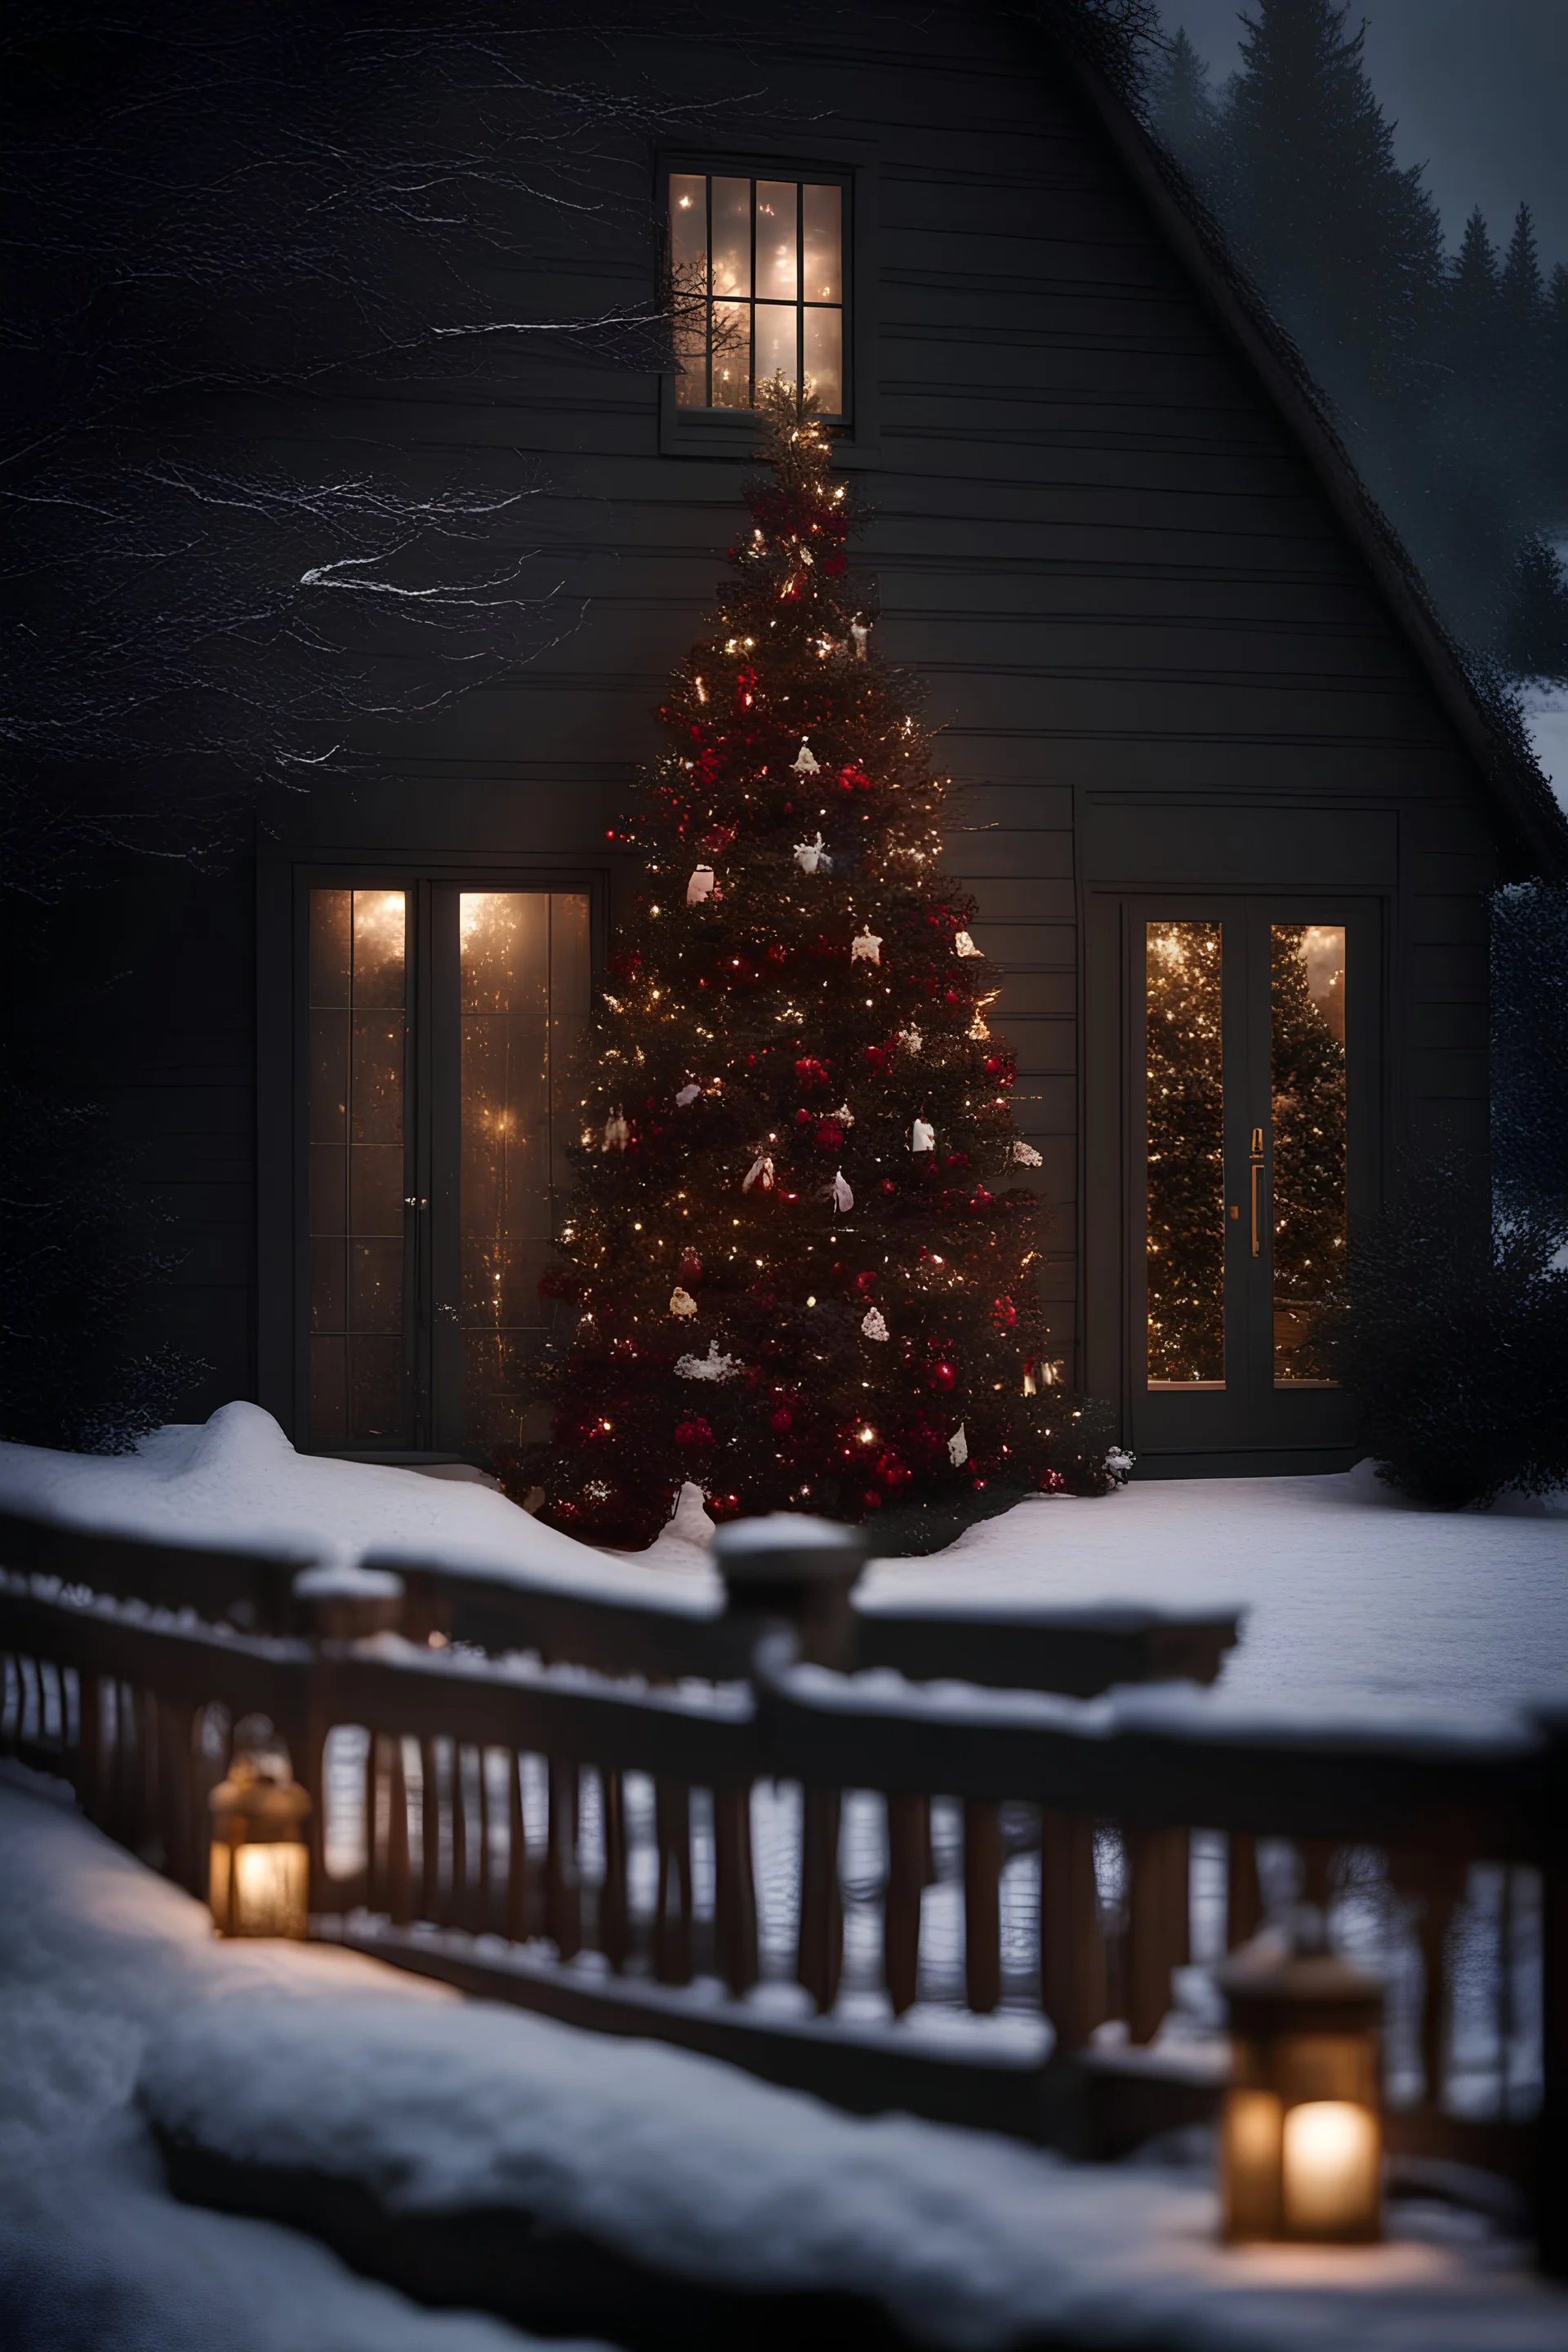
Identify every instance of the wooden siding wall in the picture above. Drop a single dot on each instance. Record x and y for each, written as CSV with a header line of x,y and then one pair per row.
x,y
1136,615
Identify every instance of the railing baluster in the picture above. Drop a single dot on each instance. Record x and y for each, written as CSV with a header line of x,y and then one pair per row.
x,y
614,1909
481,1915
672,1918
374,1882
735,1890
563,1885
820,1955
399,1886
519,1923
1072,1946
1158,1923
1438,1880
982,1907
456,1905
177,1790
1243,1894
89,1745
908,1839
429,1831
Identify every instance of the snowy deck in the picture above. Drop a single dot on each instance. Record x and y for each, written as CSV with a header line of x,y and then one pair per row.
x,y
306,2057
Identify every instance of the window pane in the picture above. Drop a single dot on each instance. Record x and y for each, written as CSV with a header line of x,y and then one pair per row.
x,y
823,257
778,277
524,990
732,355
776,342
1310,1171
331,952
731,236
378,939
1185,1099
688,222
824,358
691,357
355,1122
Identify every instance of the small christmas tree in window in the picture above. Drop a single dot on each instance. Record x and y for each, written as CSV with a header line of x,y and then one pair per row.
x,y
800,1262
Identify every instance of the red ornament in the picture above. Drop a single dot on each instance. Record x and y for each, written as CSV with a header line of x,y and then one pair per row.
x,y
829,1136
691,1266
723,1506
810,1072
941,1376
782,1421
871,1499
886,1185
692,1436
866,1282
1004,1314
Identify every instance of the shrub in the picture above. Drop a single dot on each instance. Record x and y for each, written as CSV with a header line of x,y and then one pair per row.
x,y
1455,1342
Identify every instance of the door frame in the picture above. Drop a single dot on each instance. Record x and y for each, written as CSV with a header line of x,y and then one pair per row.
x,y
1249,1436
284,884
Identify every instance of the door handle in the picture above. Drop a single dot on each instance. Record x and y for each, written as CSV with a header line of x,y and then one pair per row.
x,y
1257,1161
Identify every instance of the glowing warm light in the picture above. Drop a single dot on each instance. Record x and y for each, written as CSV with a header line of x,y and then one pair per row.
x,y
1329,2160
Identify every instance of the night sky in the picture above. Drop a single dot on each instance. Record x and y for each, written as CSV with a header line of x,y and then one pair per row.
x,y
1478,90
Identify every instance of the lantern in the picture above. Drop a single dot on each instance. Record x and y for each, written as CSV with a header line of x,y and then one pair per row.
x,y
259,1873
1301,2140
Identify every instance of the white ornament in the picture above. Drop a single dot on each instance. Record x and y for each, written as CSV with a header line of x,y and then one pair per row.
x,y
910,1040
1118,1462
843,1115
806,761
710,1367
859,631
617,1132
681,1302
958,1448
838,1192
760,1171
1026,1155
612,1002
866,947
873,1326
687,1095
811,857
977,1028
704,884
963,945
922,1136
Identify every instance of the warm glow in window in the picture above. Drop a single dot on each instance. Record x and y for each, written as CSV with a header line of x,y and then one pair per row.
x,y
1185,1066
758,272
1310,1164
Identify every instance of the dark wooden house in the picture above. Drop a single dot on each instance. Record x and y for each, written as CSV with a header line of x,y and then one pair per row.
x,y
1229,807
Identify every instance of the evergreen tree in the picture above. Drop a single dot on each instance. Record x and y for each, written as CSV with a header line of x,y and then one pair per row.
x,y
1554,396
1346,244
1182,110
801,1265
1536,640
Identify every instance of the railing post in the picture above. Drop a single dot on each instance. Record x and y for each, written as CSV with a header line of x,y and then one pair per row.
x,y
800,1572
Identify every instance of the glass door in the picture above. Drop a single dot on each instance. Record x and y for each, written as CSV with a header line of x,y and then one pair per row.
x,y
439,1027
1253,1024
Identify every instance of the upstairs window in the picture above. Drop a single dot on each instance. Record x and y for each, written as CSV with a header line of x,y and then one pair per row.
x,y
758,268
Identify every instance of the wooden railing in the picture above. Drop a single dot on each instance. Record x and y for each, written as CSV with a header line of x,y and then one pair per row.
x,y
886,1895
1071,1649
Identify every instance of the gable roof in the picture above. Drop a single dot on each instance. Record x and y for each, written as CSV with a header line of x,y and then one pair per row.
x,y
1096,42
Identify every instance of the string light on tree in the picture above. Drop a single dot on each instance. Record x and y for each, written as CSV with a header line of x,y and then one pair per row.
x,y
839,1278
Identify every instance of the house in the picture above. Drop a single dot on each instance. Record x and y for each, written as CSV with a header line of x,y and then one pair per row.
x,y
1230,808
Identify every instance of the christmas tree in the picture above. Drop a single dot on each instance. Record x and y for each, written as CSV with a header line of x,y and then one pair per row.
x,y
799,1266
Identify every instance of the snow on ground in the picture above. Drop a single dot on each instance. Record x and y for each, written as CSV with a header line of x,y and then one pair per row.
x,y
304,2055
95,2256
1356,1603
238,1482
1546,704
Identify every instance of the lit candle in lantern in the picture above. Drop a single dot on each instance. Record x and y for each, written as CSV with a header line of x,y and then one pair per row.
x,y
1300,2146
258,1880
